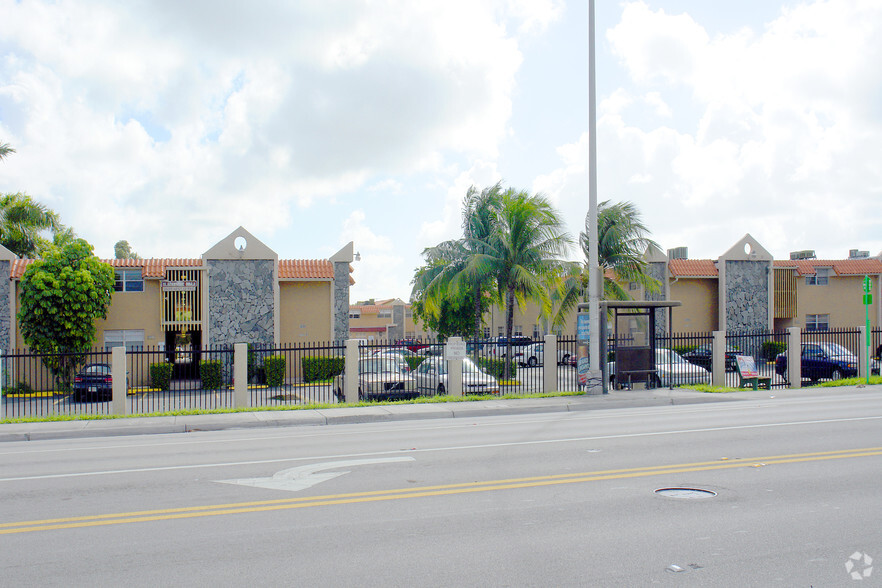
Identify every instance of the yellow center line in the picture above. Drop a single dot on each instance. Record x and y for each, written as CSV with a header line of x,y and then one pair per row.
x,y
423,491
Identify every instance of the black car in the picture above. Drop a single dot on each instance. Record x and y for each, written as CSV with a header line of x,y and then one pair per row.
x,y
93,382
703,356
821,361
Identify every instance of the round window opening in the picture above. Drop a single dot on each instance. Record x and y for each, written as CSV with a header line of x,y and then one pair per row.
x,y
240,243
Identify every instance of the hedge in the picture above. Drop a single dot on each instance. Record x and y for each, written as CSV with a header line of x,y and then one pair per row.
x,y
320,368
496,367
275,370
161,374
771,349
211,373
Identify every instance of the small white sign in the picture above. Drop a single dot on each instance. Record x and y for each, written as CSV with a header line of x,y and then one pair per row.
x,y
455,349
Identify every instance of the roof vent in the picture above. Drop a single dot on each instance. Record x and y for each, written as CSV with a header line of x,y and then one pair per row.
x,y
804,254
858,254
678,253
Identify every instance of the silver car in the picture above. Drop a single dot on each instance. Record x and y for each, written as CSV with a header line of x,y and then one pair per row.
x,y
431,377
670,369
379,378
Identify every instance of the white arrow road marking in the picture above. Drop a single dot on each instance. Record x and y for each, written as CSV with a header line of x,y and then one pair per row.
x,y
303,477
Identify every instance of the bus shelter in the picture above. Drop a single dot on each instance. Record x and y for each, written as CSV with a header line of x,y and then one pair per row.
x,y
630,326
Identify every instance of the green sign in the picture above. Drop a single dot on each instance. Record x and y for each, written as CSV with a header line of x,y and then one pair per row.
x,y
867,284
868,299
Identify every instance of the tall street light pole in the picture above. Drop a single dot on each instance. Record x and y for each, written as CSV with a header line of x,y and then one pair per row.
x,y
594,276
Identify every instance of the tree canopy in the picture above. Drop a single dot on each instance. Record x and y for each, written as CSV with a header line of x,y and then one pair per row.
x,y
61,297
122,250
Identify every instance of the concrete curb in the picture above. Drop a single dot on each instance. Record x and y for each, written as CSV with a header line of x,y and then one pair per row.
x,y
391,413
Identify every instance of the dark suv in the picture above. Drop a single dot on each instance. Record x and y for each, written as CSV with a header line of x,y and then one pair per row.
x,y
821,361
703,356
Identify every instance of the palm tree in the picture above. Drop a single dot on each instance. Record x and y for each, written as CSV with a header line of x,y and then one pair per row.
x,y
5,150
445,274
524,253
21,221
622,243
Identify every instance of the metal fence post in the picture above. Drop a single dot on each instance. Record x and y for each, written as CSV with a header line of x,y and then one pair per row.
x,y
718,358
350,369
240,375
863,355
549,364
794,357
119,404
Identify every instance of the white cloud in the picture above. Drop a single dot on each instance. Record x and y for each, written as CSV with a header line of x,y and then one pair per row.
x,y
780,139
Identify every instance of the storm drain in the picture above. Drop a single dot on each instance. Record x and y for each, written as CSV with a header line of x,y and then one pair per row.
x,y
691,493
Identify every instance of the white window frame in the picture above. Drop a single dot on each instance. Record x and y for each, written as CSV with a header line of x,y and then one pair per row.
x,y
124,280
814,322
129,338
384,313
821,277
355,313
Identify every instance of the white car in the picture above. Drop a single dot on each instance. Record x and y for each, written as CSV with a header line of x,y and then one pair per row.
x,y
671,370
431,377
534,354
379,378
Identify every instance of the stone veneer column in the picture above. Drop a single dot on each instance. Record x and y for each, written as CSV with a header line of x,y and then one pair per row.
x,y
6,322
341,300
658,270
241,301
747,295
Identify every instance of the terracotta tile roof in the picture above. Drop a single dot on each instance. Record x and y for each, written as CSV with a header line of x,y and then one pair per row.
x,y
841,267
693,268
289,269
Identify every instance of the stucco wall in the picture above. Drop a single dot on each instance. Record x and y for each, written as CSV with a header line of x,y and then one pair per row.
x,y
841,298
241,301
700,302
747,295
134,310
304,312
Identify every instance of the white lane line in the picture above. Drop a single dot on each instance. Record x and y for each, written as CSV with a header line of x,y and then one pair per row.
x,y
747,405
437,449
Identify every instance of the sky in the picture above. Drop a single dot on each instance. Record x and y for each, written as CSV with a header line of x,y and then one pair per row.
x,y
319,122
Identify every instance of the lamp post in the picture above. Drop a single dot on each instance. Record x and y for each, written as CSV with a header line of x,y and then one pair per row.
x,y
595,279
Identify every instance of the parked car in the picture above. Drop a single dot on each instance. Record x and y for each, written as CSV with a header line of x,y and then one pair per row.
x,y
379,378
670,370
534,354
497,347
398,358
412,344
703,356
432,350
432,377
94,382
821,361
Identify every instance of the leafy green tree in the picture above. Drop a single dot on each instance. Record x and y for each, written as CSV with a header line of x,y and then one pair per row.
x,y
454,316
122,250
61,297
524,253
443,284
622,242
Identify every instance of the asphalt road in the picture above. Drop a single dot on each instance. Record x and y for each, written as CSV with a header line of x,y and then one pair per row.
x,y
564,499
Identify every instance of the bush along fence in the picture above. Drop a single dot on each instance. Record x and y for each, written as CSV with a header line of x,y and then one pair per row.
x,y
144,381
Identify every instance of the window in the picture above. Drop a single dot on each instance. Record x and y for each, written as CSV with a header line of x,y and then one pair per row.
x,y
486,332
633,286
817,322
408,313
536,333
517,331
354,313
384,313
129,338
820,278
129,280
500,331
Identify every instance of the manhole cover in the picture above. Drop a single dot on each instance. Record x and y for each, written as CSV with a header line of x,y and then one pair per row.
x,y
686,493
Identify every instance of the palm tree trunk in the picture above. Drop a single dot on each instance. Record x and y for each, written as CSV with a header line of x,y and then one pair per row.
x,y
509,323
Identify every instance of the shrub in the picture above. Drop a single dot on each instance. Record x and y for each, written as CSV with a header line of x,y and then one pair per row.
x,y
771,349
683,349
316,369
275,370
496,367
161,374
211,373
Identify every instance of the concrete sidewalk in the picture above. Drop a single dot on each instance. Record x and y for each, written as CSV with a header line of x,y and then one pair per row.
x,y
386,413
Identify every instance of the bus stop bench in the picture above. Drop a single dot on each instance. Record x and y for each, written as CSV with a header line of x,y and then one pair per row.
x,y
748,375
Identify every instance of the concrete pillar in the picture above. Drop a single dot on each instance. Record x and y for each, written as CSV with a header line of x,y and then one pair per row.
x,y
2,391
454,368
119,404
240,376
718,359
350,369
549,364
794,357
863,353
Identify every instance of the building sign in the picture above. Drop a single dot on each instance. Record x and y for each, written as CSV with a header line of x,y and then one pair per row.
x,y
178,285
